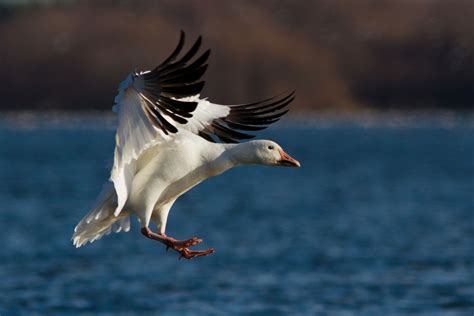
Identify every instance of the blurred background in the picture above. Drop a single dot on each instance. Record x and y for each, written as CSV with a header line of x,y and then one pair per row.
x,y
339,55
379,220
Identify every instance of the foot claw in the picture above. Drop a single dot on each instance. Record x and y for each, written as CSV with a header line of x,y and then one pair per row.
x,y
190,254
191,242
183,248
180,246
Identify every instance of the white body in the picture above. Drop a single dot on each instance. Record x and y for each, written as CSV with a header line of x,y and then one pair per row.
x,y
163,173
189,159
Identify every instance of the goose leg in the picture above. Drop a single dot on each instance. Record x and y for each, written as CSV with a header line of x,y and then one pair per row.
x,y
180,246
189,254
170,241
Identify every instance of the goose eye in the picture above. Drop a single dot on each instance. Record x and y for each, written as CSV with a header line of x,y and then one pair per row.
x,y
271,147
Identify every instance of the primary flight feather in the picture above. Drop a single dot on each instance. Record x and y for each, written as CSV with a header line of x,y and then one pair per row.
x,y
168,140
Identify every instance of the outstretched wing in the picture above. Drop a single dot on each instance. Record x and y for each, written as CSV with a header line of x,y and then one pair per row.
x,y
149,105
233,123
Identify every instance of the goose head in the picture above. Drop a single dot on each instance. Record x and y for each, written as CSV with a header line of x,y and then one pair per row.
x,y
265,152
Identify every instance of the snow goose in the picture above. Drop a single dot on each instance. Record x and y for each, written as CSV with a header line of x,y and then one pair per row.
x,y
168,140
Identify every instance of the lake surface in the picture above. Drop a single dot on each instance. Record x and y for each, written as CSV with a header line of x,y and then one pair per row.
x,y
379,220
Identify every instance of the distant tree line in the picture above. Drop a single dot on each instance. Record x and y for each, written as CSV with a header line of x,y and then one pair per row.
x,y
339,55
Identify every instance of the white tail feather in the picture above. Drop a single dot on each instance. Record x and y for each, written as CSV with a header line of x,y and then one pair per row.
x,y
100,220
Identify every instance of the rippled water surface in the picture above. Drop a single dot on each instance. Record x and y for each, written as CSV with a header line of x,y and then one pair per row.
x,y
378,221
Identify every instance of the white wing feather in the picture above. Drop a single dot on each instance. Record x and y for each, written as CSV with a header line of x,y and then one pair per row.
x,y
135,133
204,114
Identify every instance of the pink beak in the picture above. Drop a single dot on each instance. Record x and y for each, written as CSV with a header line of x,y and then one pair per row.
x,y
286,160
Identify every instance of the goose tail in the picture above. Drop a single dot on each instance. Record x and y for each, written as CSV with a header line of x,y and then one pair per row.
x,y
100,220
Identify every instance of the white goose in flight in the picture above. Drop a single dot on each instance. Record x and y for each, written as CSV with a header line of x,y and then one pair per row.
x,y
168,140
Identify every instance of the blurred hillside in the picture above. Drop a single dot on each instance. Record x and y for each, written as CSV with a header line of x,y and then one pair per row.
x,y
338,55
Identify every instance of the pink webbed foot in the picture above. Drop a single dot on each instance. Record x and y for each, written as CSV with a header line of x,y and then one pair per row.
x,y
189,254
181,246
170,242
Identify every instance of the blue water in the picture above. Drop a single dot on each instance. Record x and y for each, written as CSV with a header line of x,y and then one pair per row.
x,y
378,221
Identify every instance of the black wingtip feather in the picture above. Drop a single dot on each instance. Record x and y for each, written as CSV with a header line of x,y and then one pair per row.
x,y
242,127
176,51
182,105
251,117
264,104
222,130
177,71
192,51
183,90
173,79
182,62
206,136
